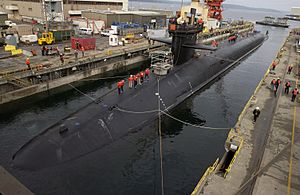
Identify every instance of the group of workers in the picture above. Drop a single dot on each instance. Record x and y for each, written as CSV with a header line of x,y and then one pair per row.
x,y
275,85
232,39
49,51
134,80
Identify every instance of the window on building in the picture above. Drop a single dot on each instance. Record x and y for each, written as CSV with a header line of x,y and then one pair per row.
x,y
30,9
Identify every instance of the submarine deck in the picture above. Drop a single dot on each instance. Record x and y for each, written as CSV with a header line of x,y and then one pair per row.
x,y
269,158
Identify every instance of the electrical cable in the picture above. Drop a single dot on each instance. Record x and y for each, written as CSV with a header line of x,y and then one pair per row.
x,y
174,118
160,139
104,78
93,99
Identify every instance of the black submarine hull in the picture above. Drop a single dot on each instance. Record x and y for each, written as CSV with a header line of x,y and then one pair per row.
x,y
100,124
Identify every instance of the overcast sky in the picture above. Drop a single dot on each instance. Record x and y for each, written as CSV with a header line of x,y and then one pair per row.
x,y
284,5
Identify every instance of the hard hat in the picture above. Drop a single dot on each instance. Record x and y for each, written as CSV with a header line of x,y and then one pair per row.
x,y
257,108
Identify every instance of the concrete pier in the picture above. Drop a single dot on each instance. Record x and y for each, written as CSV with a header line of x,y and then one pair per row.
x,y
20,82
9,185
268,162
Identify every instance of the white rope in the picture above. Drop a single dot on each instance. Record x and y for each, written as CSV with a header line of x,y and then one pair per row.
x,y
174,118
137,112
193,125
160,139
104,78
93,99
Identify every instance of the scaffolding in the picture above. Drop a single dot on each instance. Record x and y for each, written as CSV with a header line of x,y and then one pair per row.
x,y
215,8
161,61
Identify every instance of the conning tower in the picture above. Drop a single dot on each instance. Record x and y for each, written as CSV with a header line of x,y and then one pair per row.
x,y
184,37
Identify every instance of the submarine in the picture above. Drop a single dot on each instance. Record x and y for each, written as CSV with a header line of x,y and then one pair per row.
x,y
114,116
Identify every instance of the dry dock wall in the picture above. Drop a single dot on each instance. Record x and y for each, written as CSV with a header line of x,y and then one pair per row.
x,y
272,173
28,91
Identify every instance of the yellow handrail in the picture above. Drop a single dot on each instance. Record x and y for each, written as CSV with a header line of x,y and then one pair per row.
x,y
207,173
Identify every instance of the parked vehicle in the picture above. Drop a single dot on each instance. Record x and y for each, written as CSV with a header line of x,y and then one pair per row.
x,y
95,25
298,46
107,32
29,38
9,23
85,31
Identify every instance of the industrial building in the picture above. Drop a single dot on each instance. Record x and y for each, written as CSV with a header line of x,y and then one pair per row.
x,y
168,13
3,17
139,17
56,10
295,11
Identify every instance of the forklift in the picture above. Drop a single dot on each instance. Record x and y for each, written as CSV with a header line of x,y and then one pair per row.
x,y
46,39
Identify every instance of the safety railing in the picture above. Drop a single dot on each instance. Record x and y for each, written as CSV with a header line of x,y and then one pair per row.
x,y
204,177
241,141
105,54
16,81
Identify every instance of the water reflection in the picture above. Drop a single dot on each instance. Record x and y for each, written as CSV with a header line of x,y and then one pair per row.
x,y
183,112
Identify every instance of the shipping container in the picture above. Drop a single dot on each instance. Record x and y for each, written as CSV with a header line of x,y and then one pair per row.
x,y
63,35
86,43
60,35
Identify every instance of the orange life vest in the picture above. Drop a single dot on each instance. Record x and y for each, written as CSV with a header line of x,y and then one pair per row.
x,y
120,83
27,61
295,92
147,71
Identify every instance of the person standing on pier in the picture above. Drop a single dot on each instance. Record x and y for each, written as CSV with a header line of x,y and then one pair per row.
x,y
62,60
274,64
82,50
256,113
287,87
43,50
294,94
290,68
130,81
76,55
27,62
273,83
278,81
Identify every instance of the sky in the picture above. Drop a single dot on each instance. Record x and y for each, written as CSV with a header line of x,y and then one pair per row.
x,y
283,5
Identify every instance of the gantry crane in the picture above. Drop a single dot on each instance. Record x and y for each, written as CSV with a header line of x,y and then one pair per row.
x,y
215,8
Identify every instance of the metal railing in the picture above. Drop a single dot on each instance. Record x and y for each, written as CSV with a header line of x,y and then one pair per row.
x,y
204,177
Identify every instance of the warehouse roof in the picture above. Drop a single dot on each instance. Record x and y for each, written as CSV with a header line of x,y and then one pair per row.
x,y
141,13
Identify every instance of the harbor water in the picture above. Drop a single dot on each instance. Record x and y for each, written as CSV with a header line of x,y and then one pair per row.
x,y
131,165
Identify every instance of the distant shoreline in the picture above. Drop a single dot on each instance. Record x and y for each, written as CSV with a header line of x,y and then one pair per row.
x,y
225,6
